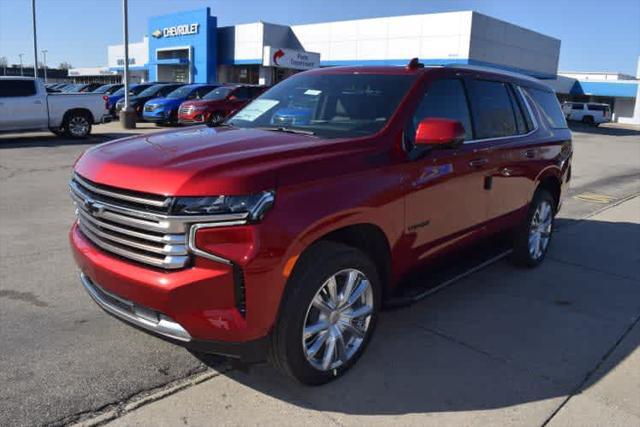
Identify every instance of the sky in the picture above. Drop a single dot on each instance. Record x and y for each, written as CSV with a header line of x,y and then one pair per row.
x,y
596,35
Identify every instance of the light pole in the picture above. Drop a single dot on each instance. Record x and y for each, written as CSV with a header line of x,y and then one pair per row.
x,y
44,57
127,114
21,69
35,40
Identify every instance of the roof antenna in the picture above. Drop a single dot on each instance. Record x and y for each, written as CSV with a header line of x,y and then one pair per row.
x,y
414,64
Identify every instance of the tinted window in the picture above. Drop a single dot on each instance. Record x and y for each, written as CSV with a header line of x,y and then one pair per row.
x,y
577,106
492,110
218,94
242,93
444,99
548,107
592,107
166,90
14,88
330,105
518,113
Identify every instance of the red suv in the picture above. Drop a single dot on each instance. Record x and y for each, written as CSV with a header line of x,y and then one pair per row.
x,y
280,231
217,104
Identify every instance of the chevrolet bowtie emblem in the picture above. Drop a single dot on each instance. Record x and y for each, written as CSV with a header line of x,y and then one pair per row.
x,y
94,207
157,34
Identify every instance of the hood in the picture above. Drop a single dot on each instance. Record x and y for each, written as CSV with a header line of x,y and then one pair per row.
x,y
211,161
166,102
205,103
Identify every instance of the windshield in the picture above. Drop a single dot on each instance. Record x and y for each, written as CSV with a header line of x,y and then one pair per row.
x,y
103,89
328,105
150,91
181,92
218,94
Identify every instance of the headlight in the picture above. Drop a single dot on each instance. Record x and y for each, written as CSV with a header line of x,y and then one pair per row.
x,y
256,205
153,107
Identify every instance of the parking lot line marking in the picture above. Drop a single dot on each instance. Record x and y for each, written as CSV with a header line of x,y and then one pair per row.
x,y
594,197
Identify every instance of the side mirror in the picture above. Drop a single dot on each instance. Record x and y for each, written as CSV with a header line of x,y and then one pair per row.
x,y
233,98
439,132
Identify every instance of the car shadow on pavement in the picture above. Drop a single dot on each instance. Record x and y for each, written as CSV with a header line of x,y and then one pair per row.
x,y
498,338
603,130
44,141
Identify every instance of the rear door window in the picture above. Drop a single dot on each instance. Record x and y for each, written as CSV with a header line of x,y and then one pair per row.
x,y
444,99
575,106
491,107
548,107
17,88
592,107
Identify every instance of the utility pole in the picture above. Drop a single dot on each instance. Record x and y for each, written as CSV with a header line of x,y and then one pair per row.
x,y
44,55
127,115
21,69
35,40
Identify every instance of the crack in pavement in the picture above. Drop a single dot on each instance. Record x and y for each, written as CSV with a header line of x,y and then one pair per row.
x,y
589,374
113,410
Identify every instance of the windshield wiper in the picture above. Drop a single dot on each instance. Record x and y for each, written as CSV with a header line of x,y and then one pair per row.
x,y
288,130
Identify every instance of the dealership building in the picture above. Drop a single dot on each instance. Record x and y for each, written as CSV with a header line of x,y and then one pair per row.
x,y
190,47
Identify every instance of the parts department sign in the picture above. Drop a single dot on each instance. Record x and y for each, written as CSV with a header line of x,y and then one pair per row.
x,y
290,58
177,31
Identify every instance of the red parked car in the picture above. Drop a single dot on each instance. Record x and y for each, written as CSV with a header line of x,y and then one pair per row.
x,y
280,231
217,104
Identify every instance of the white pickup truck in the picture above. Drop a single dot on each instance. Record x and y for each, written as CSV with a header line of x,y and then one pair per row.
x,y
25,105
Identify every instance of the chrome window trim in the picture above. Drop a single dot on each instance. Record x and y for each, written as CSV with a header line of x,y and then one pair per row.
x,y
191,243
534,121
126,197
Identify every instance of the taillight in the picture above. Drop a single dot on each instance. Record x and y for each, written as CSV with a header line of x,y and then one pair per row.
x,y
105,98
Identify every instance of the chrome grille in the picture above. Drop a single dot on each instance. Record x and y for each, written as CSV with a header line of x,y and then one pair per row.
x,y
138,226
130,224
185,110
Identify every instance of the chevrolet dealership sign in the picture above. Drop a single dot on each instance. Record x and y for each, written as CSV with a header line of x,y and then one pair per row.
x,y
177,31
289,58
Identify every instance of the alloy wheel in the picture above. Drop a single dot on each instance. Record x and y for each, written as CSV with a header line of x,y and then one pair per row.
x,y
540,229
337,320
78,126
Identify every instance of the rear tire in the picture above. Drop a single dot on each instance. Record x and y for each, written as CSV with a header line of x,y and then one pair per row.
x,y
317,338
588,120
532,238
77,124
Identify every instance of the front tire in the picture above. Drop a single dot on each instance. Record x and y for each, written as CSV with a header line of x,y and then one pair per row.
x,y
533,237
328,314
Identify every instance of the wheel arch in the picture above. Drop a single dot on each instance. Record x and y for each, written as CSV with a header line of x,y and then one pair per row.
x,y
552,183
366,237
84,111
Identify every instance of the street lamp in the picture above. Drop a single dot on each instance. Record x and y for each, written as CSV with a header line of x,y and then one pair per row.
x,y
35,40
44,56
127,114
21,69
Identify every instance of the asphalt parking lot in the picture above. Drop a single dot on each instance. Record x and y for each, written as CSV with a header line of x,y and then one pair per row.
x,y
555,345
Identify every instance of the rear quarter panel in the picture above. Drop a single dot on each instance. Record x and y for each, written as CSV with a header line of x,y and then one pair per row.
x,y
59,104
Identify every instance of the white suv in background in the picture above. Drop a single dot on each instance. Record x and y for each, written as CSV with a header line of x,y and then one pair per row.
x,y
590,113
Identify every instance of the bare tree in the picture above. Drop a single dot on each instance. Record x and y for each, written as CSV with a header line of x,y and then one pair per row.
x,y
65,66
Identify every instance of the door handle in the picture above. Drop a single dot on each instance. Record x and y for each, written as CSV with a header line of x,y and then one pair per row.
x,y
506,171
477,163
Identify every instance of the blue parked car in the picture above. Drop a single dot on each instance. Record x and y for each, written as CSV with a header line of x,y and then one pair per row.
x,y
134,89
165,110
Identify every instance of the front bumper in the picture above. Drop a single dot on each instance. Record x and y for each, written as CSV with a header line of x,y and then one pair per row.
x,y
168,329
156,116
